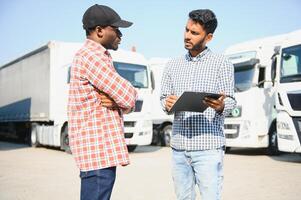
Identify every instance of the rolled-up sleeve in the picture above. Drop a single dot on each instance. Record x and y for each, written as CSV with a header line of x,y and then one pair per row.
x,y
226,84
166,87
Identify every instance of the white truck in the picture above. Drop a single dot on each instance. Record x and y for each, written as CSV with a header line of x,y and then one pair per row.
x,y
138,125
34,94
286,77
268,94
162,123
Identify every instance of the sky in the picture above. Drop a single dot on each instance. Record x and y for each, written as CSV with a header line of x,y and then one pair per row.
x,y
158,28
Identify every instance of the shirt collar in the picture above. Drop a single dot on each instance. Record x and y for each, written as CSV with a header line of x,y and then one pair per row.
x,y
96,46
198,57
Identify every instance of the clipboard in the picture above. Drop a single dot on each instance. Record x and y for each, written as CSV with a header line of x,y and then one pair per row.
x,y
193,101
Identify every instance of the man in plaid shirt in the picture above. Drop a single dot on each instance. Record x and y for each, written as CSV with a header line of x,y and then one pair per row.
x,y
197,139
98,97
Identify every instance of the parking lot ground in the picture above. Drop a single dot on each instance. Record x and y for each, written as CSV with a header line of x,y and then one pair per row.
x,y
50,174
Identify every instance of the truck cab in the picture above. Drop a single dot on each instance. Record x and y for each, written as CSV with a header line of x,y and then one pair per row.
x,y
287,80
254,122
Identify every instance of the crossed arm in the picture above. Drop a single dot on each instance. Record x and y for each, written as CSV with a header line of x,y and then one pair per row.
x,y
108,102
115,92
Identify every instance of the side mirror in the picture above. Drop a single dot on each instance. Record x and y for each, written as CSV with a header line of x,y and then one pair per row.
x,y
274,63
261,76
273,69
152,80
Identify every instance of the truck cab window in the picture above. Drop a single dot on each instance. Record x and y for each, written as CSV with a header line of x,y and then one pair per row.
x,y
243,76
291,64
135,74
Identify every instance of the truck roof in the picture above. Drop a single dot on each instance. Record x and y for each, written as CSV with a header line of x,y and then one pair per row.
x,y
49,45
128,57
158,61
42,48
119,56
271,41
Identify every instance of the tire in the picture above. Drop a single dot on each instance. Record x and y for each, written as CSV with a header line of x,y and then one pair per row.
x,y
155,139
65,140
34,136
272,149
131,148
166,135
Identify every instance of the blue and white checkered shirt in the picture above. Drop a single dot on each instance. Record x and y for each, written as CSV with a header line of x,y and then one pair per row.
x,y
207,72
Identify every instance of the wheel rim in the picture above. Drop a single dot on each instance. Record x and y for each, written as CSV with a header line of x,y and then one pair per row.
x,y
167,136
66,140
273,139
33,136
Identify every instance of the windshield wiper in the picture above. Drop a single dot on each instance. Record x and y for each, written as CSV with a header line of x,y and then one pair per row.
x,y
237,89
291,78
137,85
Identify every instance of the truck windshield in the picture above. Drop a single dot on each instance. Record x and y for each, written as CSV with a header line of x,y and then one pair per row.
x,y
243,69
243,76
290,64
135,74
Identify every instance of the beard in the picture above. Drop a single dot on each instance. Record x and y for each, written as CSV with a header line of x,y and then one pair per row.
x,y
195,47
112,43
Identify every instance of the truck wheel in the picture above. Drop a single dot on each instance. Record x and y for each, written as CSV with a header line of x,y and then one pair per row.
x,y
272,149
131,148
166,135
65,140
155,139
33,140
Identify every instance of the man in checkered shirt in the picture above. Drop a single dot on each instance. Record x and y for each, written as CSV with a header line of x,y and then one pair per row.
x,y
98,97
197,139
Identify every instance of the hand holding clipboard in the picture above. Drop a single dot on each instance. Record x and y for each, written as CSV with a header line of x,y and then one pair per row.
x,y
193,101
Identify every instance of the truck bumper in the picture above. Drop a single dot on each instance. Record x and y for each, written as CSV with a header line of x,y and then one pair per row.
x,y
243,134
138,132
288,132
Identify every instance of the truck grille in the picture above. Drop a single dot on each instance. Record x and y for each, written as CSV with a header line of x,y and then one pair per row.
x,y
129,124
128,135
297,123
234,129
295,100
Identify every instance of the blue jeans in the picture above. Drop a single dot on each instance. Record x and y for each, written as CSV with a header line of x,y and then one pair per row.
x,y
97,184
204,168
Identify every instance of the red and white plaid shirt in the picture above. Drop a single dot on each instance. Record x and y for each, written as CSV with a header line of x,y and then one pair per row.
x,y
96,133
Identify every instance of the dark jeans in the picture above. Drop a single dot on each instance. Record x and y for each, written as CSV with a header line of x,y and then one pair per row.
x,y
97,184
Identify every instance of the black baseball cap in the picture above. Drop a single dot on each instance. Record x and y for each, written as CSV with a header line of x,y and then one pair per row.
x,y
100,15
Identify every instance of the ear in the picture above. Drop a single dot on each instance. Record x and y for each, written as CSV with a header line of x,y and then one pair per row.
x,y
99,31
209,37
